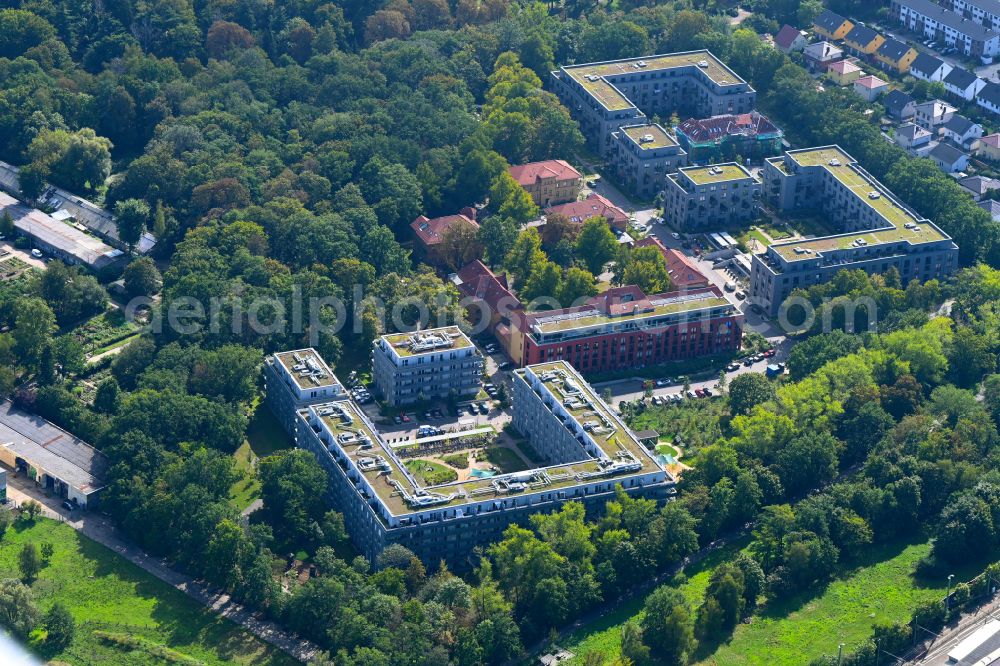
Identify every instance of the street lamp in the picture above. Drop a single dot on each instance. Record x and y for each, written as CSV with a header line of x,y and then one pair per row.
x,y
947,597
840,654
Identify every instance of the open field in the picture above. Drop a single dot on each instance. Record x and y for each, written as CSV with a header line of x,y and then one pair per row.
x,y
264,436
105,593
793,632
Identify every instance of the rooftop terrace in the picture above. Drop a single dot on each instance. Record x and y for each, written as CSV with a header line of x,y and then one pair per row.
x,y
718,173
427,341
401,494
649,137
661,306
592,76
307,368
905,226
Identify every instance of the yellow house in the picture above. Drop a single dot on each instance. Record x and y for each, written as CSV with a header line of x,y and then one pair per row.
x,y
832,26
844,72
862,40
896,56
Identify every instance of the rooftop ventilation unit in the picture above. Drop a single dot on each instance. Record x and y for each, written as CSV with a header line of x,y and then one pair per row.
x,y
910,225
703,64
646,138
834,162
874,195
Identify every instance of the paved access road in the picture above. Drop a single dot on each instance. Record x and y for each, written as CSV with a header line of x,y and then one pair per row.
x,y
101,530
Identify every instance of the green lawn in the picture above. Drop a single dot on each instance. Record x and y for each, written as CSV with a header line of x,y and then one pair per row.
x,y
505,459
604,636
106,593
264,436
695,422
430,472
802,628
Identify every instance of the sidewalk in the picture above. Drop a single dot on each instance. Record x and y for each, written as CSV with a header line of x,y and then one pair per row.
x,y
102,530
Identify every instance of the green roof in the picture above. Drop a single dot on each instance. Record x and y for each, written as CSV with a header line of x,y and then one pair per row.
x,y
401,342
614,100
706,301
717,173
660,137
844,169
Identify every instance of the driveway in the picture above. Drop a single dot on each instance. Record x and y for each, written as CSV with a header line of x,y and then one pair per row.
x,y
23,255
627,390
102,530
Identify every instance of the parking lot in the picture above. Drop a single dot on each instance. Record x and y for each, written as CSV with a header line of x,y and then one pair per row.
x,y
7,250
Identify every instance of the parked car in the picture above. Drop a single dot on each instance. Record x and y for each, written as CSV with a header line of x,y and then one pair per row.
x,y
740,296
733,366
406,418
675,236
397,420
662,382
708,392
484,408
692,394
748,361
700,393
37,254
592,183
769,353
730,286
69,506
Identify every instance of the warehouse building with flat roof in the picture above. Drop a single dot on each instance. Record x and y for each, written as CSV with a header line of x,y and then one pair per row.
x,y
56,460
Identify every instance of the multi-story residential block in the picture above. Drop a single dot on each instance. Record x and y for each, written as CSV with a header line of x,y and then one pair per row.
x,y
963,84
588,453
625,328
863,41
832,26
699,198
941,24
928,68
844,72
434,363
549,182
643,155
895,56
983,12
604,96
821,55
878,231
297,379
723,138
595,205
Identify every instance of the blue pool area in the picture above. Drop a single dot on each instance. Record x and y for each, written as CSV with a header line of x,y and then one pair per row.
x,y
482,474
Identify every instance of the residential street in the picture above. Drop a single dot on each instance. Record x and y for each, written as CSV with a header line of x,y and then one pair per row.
x,y
101,530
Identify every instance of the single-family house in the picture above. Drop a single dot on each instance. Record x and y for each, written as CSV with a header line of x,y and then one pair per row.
x,y
863,41
844,72
949,158
832,26
989,148
899,106
961,130
991,206
928,68
594,205
932,114
895,56
821,55
870,87
989,97
912,137
963,84
979,186
431,234
790,39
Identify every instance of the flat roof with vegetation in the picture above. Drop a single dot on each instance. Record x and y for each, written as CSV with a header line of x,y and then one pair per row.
x,y
592,76
716,173
396,487
656,135
307,368
686,303
401,342
844,168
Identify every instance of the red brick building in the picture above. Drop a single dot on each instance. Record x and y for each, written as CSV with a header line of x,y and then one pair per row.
x,y
621,328
684,274
431,232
